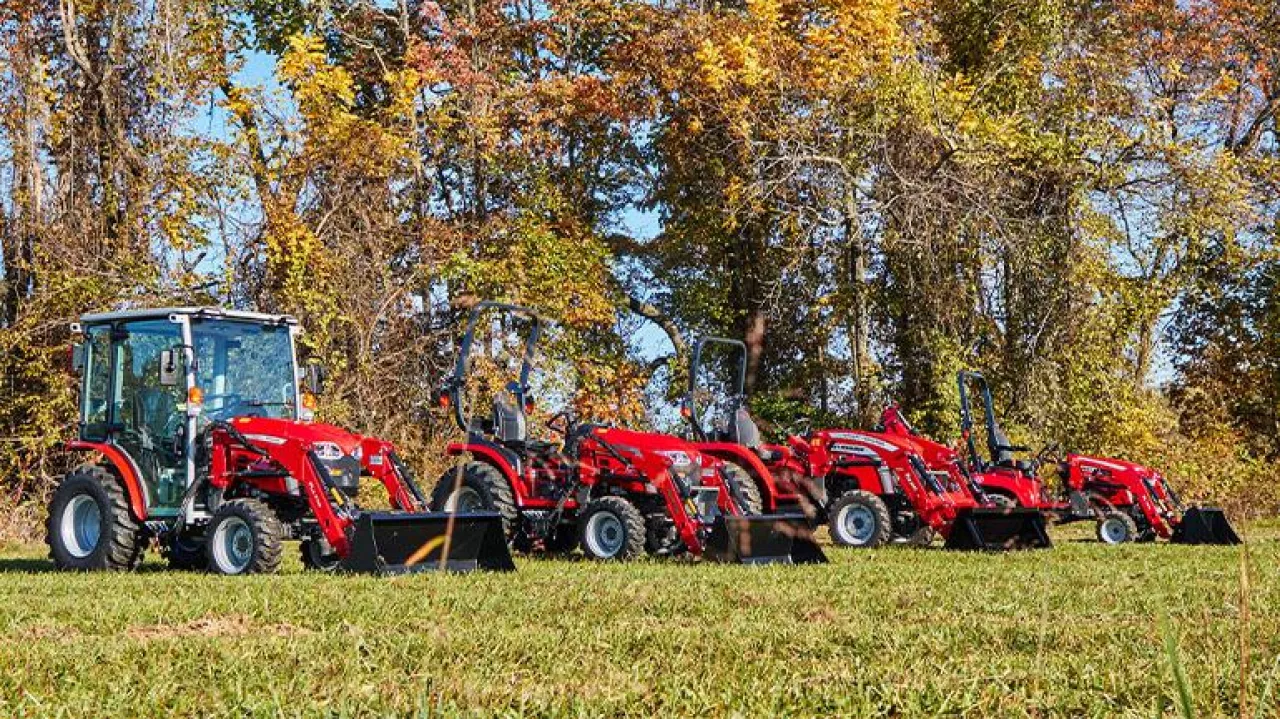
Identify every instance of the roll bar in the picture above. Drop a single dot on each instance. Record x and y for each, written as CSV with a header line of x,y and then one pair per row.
x,y
454,384
997,441
695,362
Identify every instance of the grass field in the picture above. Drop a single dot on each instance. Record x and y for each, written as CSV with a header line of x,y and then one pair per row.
x,y
1081,630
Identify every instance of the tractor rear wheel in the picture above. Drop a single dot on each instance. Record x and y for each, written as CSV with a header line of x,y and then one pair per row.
x,y
1116,527
611,528
244,537
480,487
859,519
748,492
89,524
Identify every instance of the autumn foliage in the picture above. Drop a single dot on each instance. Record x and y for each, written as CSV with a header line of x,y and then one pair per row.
x,y
1077,198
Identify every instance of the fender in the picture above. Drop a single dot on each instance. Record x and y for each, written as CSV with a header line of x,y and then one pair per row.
x,y
1011,483
751,462
499,457
124,467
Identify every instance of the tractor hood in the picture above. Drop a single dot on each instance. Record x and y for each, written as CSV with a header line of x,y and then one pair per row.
x,y
1113,466
263,429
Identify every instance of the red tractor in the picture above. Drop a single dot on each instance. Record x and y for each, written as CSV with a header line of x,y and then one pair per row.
x,y
870,487
615,493
1129,502
205,445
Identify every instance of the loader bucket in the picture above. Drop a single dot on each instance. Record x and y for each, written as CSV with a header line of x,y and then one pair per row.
x,y
400,542
1205,525
763,539
992,529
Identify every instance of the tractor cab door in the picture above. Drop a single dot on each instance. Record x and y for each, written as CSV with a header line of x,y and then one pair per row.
x,y
135,398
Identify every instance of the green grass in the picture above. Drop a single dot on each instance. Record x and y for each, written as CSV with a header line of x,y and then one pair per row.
x,y
1081,630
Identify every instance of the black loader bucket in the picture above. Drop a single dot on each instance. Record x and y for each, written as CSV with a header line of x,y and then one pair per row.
x,y
763,539
1205,525
992,529
400,542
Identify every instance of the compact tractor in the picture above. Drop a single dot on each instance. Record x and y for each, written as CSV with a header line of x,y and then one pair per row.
x,y
200,423
871,488
615,493
1129,502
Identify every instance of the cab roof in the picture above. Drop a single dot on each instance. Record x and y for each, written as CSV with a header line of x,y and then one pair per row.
x,y
202,312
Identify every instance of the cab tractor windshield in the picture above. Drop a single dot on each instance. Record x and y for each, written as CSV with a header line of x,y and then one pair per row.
x,y
245,369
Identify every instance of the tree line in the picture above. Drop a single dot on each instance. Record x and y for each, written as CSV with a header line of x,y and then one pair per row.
x,y
1078,198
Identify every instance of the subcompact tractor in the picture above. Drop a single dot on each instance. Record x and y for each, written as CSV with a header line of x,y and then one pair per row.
x,y
871,488
200,423
1128,502
613,492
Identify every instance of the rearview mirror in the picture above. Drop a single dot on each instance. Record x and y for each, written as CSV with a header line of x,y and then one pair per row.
x,y
78,358
169,373
315,378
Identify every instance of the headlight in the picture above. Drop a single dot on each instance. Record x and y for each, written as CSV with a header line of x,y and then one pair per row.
x,y
358,454
679,459
328,451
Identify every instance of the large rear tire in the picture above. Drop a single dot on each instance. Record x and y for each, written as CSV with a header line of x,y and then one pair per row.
x,y
748,492
859,518
1116,527
611,529
89,525
480,487
244,537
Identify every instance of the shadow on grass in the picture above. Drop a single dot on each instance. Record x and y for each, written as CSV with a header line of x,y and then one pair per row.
x,y
35,565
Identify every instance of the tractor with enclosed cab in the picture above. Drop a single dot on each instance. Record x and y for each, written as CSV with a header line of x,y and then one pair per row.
x,y
1127,501
200,429
615,493
871,488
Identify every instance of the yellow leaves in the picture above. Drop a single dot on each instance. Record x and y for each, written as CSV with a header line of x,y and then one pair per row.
x,y
325,96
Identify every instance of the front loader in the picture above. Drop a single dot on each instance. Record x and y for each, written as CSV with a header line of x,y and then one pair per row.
x,y
871,488
1128,502
201,420
614,493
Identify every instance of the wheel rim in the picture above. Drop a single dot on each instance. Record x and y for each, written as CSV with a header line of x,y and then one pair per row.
x,y
233,545
605,535
465,499
81,526
857,523
1113,531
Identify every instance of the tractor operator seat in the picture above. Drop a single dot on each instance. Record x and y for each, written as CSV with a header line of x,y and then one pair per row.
x,y
742,429
509,423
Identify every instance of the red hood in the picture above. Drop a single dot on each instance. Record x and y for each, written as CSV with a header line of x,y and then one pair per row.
x,y
307,432
1111,465
931,452
651,442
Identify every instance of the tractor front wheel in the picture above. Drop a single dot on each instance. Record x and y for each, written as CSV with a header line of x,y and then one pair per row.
x,y
244,537
611,528
318,555
89,524
1116,527
859,519
185,552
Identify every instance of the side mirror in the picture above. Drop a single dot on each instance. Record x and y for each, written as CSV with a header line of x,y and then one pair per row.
x,y
77,358
169,370
315,378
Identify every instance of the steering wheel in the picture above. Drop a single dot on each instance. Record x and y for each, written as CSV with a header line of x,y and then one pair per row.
x,y
228,400
561,422
1051,452
800,428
